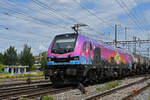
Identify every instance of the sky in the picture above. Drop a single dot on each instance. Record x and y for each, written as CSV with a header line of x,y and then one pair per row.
x,y
37,22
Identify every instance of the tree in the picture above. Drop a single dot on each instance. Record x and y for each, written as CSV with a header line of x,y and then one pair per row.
x,y
10,56
43,60
26,57
33,68
1,66
1,58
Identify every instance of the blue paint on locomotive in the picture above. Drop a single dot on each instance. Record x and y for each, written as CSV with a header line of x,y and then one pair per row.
x,y
63,63
83,60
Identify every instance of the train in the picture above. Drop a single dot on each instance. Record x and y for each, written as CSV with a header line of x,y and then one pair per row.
x,y
74,58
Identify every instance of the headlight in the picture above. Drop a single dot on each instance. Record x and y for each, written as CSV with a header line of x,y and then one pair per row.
x,y
76,58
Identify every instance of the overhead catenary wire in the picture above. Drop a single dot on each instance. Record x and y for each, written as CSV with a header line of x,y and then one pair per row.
x,y
31,18
38,3
142,17
133,18
41,4
44,13
103,35
48,13
23,16
21,31
99,17
15,29
24,40
54,10
90,12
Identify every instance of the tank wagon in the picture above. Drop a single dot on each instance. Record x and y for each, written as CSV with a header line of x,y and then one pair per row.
x,y
74,58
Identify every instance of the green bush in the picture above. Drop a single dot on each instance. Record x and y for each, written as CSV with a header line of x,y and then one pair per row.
x,y
0,70
5,75
39,73
1,66
149,97
47,98
34,67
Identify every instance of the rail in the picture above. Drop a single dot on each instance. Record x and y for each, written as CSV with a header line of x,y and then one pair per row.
x,y
108,92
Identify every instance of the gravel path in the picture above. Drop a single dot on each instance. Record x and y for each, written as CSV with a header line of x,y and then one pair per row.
x,y
77,95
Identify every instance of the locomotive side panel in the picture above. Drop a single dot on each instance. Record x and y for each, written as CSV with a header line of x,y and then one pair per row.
x,y
74,58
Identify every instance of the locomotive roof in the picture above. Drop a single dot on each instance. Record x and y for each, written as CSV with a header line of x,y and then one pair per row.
x,y
97,42
64,34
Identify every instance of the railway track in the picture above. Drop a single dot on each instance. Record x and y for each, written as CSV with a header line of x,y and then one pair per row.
x,y
20,79
22,83
14,91
96,96
42,89
38,94
132,95
29,91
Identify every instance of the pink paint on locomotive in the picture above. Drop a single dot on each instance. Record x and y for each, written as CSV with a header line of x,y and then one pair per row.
x,y
106,50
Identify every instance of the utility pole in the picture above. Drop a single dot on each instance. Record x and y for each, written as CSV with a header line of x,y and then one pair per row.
x,y
134,39
148,44
125,30
116,35
148,51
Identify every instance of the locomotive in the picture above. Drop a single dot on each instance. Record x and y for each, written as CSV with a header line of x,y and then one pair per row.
x,y
74,58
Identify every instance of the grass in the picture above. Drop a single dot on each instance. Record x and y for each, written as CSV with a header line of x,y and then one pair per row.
x,y
100,89
149,87
43,98
148,97
149,94
47,98
109,86
16,76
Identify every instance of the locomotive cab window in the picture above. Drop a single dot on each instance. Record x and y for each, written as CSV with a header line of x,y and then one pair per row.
x,y
64,43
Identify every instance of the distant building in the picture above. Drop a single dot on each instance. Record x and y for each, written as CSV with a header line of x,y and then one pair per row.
x,y
15,69
37,61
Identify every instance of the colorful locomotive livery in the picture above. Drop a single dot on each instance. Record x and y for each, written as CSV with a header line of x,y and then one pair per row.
x,y
74,58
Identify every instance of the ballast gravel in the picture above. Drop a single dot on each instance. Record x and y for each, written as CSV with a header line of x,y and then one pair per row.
x,y
76,94
119,95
